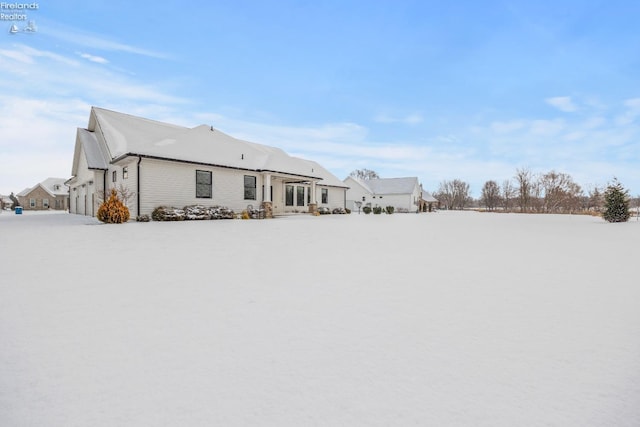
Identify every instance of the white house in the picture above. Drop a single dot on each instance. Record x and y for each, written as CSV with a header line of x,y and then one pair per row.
x,y
161,164
404,194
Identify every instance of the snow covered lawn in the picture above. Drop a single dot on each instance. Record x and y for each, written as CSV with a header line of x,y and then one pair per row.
x,y
444,319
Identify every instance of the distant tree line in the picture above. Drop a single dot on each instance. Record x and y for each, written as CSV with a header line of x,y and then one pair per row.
x,y
551,192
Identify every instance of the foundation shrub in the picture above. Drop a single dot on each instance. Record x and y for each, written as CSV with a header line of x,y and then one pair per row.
x,y
112,210
164,213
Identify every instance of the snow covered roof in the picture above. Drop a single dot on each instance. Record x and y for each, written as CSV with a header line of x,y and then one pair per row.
x,y
96,159
428,197
389,185
127,135
53,186
24,192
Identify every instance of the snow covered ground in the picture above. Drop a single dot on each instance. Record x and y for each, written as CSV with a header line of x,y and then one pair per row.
x,y
444,319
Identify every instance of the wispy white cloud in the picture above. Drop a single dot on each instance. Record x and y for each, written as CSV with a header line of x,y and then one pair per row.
x,y
562,103
45,96
98,42
631,114
93,58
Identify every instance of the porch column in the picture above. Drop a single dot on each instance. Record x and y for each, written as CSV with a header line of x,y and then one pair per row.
x,y
267,203
313,206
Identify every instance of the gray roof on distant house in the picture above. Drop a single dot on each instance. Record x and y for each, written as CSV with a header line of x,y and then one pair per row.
x,y
390,185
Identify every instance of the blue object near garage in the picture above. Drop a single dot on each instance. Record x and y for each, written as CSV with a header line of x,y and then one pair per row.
x,y
18,210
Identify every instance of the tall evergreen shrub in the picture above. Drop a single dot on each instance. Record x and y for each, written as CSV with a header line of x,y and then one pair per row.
x,y
616,203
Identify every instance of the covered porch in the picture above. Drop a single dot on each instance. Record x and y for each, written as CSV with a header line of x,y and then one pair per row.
x,y
288,194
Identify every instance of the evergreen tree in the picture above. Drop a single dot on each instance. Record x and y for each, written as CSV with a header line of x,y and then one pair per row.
x,y
616,203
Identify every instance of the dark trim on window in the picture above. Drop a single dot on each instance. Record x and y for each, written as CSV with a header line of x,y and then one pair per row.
x,y
325,195
250,187
288,195
204,184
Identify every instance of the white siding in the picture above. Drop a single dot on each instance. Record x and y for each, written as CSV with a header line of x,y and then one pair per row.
x,y
336,197
396,200
85,189
165,183
128,185
355,193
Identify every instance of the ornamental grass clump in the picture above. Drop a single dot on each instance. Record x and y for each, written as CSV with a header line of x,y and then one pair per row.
x,y
112,210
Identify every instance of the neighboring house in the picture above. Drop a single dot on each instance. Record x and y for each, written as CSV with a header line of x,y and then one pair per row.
x,y
161,164
5,202
52,193
404,194
428,203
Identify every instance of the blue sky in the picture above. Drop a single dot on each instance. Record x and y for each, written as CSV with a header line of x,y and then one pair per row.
x,y
440,90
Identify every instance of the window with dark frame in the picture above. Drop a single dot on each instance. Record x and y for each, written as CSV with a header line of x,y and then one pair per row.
x,y
308,195
114,176
203,184
249,187
300,196
325,195
289,195
125,172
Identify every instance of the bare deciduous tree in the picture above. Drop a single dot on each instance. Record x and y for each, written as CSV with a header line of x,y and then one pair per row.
x,y
123,193
364,174
523,179
561,194
508,194
454,194
490,197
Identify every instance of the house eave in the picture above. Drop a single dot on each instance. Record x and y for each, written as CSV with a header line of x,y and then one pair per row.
x,y
193,162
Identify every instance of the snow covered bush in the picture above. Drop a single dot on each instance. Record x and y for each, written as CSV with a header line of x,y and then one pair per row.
x,y
197,212
163,213
616,203
192,212
366,210
112,210
143,218
390,209
377,210
221,212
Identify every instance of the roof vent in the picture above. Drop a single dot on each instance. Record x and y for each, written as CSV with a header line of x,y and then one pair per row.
x,y
211,128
